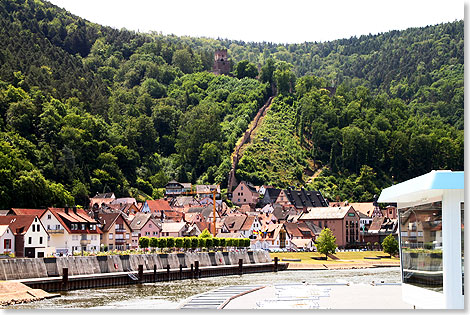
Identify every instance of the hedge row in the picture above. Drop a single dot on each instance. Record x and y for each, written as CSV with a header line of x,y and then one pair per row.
x,y
192,242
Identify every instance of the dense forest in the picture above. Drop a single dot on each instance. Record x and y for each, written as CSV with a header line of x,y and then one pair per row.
x,y
86,108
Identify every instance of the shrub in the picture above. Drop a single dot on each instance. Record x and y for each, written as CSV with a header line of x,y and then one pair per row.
x,y
228,242
209,242
216,241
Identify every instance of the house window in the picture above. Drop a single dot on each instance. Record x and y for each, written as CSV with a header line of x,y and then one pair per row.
x,y
7,244
319,224
38,228
127,236
241,187
48,227
49,216
150,225
34,228
30,240
110,236
147,233
244,200
40,240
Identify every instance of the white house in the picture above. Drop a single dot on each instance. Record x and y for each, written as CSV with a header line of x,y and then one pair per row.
x,y
251,225
7,240
70,230
30,235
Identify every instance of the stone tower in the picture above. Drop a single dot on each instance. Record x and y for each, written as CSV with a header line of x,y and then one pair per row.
x,y
221,62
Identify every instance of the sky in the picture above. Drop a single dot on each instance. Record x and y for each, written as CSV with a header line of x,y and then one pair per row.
x,y
289,21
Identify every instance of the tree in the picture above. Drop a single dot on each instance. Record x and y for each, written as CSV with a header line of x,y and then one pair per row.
x,y
326,242
194,242
209,242
179,242
187,243
162,243
205,234
144,242
170,242
246,69
222,242
201,242
390,245
235,242
153,242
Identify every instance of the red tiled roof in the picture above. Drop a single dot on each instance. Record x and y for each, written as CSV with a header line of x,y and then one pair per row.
x,y
18,224
204,225
248,223
60,214
159,205
234,222
38,212
293,229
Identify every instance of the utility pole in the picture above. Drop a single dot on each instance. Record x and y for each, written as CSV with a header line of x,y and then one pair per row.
x,y
214,230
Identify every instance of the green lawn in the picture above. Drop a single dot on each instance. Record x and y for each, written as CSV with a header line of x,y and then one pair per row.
x,y
345,257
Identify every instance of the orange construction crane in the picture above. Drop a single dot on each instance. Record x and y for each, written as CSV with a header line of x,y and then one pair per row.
x,y
213,192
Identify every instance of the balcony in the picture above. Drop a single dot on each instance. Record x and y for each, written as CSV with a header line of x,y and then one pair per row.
x,y
120,230
119,241
60,231
85,242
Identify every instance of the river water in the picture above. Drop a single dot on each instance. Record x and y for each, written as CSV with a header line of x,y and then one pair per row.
x,y
168,295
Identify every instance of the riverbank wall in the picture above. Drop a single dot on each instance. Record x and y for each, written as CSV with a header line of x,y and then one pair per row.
x,y
28,268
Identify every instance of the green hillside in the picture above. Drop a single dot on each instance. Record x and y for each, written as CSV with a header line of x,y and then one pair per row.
x,y
86,108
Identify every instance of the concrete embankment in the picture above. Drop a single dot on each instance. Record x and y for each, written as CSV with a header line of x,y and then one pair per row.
x,y
71,273
27,268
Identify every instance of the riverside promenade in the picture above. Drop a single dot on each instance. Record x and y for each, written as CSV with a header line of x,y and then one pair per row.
x,y
324,296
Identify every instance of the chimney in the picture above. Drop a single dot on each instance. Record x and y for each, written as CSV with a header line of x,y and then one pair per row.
x,y
75,210
66,209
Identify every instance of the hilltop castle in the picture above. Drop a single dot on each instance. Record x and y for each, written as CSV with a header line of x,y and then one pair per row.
x,y
221,62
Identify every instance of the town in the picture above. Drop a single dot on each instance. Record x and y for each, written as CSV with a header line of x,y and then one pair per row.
x,y
272,219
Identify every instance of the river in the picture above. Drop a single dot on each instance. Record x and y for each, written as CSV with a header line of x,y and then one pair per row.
x,y
168,295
